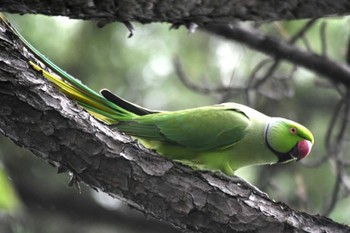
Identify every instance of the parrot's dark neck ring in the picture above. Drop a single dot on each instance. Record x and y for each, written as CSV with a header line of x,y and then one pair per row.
x,y
282,157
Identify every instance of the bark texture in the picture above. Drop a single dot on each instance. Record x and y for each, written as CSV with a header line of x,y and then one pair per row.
x,y
35,115
182,11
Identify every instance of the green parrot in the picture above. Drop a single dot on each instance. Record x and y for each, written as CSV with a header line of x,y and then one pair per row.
x,y
222,137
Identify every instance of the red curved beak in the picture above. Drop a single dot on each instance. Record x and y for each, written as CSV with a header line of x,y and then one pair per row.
x,y
304,148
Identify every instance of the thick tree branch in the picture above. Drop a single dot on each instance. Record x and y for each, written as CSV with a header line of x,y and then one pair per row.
x,y
35,115
181,12
69,203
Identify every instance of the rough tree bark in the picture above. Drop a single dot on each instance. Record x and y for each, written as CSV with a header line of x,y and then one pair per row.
x,y
35,115
181,12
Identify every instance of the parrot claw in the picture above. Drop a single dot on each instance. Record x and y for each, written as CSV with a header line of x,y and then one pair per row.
x,y
74,181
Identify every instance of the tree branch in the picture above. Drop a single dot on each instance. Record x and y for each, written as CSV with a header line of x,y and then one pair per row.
x,y
69,203
332,70
36,116
181,12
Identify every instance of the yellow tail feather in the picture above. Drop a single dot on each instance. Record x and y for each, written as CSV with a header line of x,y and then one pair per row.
x,y
91,105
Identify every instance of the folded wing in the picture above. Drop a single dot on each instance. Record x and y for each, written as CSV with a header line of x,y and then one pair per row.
x,y
198,129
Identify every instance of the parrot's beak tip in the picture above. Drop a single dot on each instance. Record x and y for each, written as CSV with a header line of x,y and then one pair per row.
x,y
304,148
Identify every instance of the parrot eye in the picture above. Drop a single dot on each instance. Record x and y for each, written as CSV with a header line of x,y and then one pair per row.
x,y
293,130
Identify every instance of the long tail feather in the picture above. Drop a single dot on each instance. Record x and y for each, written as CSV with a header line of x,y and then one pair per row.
x,y
100,107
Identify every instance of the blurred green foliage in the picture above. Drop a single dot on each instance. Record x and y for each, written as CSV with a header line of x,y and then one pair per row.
x,y
8,197
140,69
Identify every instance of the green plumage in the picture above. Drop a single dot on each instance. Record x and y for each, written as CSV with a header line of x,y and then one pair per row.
x,y
221,137
173,127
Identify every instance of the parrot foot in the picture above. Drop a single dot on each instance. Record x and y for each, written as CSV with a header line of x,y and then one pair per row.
x,y
74,181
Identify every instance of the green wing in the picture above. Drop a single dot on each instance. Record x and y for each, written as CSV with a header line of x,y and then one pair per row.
x,y
198,129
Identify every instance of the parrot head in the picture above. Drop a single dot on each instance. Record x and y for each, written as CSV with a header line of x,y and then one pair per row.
x,y
288,140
